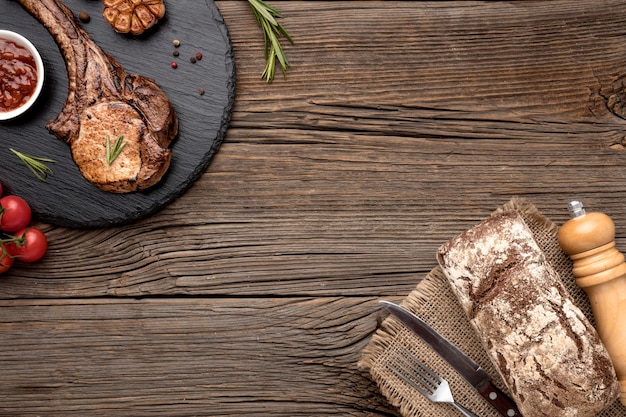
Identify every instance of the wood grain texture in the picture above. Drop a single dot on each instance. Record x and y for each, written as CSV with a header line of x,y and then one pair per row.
x,y
399,125
181,357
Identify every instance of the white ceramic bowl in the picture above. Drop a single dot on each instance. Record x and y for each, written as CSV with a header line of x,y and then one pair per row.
x,y
22,41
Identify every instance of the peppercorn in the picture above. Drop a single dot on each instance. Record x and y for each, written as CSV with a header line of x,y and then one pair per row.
x,y
176,43
198,56
84,17
201,91
175,53
174,65
192,59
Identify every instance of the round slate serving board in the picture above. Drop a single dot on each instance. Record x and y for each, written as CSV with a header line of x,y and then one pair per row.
x,y
66,198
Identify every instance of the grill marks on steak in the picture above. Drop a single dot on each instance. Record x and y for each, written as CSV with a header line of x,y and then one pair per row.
x,y
104,100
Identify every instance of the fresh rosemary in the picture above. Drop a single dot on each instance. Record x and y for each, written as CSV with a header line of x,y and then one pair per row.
x,y
36,164
113,152
266,16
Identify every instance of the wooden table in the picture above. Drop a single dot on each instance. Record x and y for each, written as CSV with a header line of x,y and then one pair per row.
x,y
399,125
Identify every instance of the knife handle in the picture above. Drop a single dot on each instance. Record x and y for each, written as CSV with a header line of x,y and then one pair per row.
x,y
499,400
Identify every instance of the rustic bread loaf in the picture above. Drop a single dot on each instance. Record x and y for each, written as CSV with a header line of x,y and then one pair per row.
x,y
546,350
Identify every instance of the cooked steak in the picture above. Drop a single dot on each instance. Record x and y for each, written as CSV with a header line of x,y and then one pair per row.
x,y
104,101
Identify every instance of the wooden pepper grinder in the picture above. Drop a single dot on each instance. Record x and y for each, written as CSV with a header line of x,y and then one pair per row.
x,y
600,270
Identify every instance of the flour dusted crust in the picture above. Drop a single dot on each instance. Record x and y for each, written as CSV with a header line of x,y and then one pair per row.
x,y
547,352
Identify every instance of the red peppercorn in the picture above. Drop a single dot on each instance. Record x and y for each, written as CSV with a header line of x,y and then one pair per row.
x,y
174,65
198,56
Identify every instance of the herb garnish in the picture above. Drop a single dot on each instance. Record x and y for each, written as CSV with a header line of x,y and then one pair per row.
x,y
266,16
35,164
113,153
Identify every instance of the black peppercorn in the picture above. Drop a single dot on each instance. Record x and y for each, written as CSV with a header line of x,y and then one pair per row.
x,y
84,17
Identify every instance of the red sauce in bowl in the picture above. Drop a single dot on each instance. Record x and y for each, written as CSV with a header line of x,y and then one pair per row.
x,y
18,75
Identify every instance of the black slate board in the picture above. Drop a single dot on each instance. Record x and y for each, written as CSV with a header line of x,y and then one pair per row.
x,y
66,198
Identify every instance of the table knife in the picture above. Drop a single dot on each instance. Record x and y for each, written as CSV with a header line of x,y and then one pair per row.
x,y
463,364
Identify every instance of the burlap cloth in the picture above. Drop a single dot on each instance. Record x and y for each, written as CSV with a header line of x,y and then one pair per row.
x,y
434,302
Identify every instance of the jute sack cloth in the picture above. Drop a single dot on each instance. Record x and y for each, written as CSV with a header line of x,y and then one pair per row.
x,y
435,303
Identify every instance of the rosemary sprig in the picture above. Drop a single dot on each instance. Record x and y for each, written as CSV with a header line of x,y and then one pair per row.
x,y
113,152
36,164
266,16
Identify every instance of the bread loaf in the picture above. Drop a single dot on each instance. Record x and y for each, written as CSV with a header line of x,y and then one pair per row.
x,y
545,348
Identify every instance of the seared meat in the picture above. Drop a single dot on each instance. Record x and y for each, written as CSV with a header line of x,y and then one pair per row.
x,y
103,100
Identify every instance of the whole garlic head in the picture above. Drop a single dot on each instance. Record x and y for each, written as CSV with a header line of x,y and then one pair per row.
x,y
133,16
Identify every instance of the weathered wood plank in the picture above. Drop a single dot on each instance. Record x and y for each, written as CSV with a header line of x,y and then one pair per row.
x,y
181,357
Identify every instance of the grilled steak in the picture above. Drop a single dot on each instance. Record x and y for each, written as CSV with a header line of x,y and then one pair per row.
x,y
105,101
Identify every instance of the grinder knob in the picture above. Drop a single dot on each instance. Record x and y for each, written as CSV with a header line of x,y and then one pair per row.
x,y
600,270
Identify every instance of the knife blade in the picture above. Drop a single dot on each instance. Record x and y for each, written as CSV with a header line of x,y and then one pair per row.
x,y
463,364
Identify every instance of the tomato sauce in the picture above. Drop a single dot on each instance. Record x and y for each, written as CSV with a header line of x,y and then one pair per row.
x,y
18,75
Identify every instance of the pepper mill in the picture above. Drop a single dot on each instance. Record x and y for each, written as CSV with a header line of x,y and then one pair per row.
x,y
600,270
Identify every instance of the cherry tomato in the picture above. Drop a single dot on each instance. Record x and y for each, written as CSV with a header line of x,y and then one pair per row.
x,y
34,247
5,261
15,213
